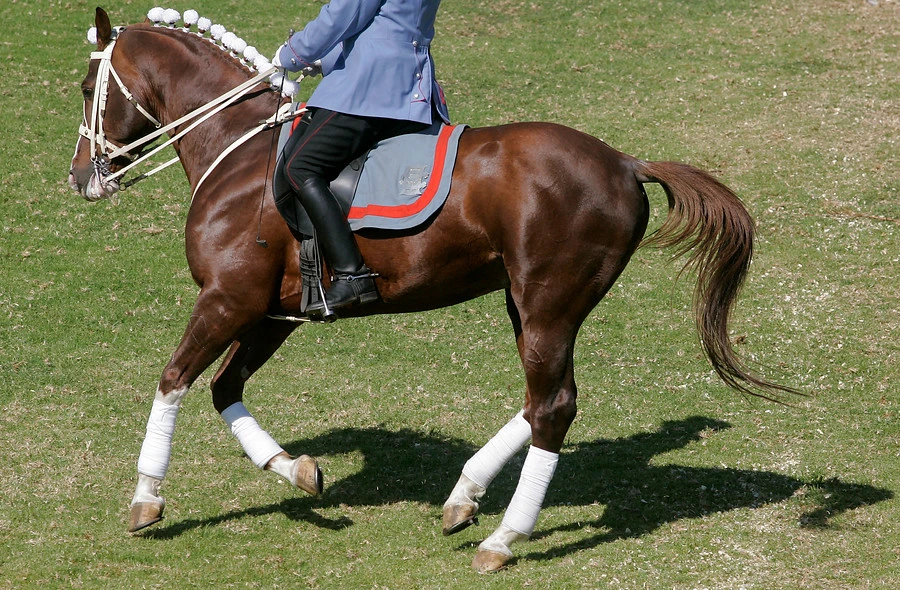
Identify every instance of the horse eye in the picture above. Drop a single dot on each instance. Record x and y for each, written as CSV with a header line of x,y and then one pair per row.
x,y
87,93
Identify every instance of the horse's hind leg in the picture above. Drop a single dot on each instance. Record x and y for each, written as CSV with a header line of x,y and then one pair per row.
x,y
546,347
246,356
547,313
546,344
480,470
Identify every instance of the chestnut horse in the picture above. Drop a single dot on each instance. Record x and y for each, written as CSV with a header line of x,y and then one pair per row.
x,y
547,213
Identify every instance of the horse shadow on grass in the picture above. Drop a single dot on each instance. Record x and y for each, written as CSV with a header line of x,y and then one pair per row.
x,y
632,496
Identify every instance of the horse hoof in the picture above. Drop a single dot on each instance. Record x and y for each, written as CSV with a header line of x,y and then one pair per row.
x,y
307,475
144,514
487,561
458,517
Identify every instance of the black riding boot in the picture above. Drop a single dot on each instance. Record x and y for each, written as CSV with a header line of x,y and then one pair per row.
x,y
352,284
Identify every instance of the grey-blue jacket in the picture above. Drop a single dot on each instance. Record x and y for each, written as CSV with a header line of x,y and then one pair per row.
x,y
375,58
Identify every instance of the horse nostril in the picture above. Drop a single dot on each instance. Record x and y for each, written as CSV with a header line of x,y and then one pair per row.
x,y
73,182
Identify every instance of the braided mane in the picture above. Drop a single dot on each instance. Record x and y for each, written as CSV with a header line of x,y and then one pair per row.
x,y
203,27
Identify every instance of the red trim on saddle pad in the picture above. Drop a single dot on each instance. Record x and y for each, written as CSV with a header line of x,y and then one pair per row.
x,y
401,211
296,120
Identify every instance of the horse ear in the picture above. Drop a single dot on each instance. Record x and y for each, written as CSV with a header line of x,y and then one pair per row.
x,y
104,29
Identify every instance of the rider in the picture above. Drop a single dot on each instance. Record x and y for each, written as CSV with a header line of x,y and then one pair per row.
x,y
378,82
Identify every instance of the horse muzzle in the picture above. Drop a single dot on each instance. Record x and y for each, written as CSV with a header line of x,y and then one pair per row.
x,y
96,188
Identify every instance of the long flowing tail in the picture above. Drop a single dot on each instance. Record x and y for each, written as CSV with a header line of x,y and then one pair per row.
x,y
708,221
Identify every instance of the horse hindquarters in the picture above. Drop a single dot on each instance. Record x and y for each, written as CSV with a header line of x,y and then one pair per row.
x,y
568,233
593,213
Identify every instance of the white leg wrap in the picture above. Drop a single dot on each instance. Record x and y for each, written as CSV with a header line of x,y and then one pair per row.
x,y
538,470
501,539
147,490
484,465
257,443
157,447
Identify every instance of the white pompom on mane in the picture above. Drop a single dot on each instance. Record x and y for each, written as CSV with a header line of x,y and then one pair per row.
x,y
219,35
250,53
217,31
262,63
238,45
227,39
171,16
156,14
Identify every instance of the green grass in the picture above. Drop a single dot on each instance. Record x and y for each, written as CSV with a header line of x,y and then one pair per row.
x,y
668,480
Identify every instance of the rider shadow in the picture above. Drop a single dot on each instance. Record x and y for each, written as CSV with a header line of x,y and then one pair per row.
x,y
633,497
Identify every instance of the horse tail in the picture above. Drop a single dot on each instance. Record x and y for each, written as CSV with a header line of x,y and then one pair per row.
x,y
707,220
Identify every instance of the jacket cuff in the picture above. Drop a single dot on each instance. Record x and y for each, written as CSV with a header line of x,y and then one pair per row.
x,y
290,61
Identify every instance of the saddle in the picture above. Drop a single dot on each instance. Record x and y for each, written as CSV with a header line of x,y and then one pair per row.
x,y
343,187
398,185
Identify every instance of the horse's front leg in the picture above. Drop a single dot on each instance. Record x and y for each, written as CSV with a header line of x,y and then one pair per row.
x,y
246,356
212,327
153,463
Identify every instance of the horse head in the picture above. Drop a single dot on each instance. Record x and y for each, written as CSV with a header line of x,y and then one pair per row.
x,y
155,79
116,114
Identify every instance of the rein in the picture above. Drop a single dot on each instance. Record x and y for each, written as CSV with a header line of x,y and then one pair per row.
x,y
104,151
284,113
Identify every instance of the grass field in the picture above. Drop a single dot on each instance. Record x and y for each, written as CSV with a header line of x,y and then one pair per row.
x,y
669,480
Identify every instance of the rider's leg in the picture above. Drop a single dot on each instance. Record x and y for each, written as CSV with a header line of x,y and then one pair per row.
x,y
331,141
352,283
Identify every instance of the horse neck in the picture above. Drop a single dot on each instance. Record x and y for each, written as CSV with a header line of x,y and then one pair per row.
x,y
184,72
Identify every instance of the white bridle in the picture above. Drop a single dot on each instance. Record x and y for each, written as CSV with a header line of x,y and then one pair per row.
x,y
94,132
105,183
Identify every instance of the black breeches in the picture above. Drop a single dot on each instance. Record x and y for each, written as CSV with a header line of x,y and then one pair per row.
x,y
332,140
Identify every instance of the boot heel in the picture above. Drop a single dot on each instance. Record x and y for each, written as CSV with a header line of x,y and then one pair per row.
x,y
370,297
